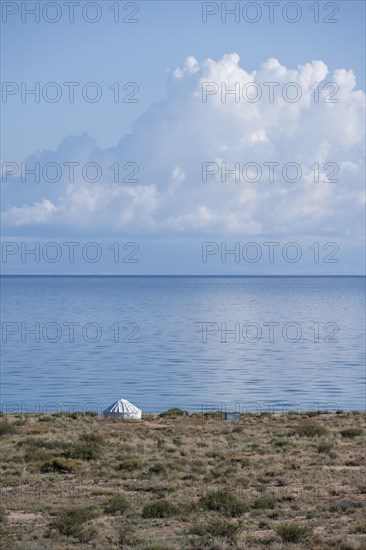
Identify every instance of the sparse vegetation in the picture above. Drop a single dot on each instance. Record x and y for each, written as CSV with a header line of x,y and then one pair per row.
x,y
61,465
130,463
294,533
223,501
310,428
117,504
71,523
265,502
6,428
217,527
351,432
325,447
84,451
173,412
183,481
159,509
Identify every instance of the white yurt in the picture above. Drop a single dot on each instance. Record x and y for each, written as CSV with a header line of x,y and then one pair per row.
x,y
123,409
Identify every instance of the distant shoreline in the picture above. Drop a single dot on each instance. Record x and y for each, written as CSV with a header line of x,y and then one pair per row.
x,y
184,413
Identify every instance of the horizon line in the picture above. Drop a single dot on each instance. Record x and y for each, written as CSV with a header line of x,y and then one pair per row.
x,y
120,275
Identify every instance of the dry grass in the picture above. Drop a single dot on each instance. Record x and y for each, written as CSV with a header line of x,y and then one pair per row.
x,y
181,481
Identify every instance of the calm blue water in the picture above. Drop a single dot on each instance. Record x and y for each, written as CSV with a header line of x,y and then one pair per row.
x,y
297,342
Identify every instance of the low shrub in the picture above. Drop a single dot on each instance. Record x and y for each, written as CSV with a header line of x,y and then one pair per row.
x,y
159,509
310,428
92,438
294,533
35,454
157,468
218,527
130,463
157,546
264,502
117,504
160,490
324,447
61,465
38,450
344,505
84,451
175,411
6,428
223,501
70,522
37,443
46,418
351,432
238,429
126,534
71,415
282,443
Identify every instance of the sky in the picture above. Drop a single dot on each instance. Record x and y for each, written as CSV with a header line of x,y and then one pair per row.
x,y
191,177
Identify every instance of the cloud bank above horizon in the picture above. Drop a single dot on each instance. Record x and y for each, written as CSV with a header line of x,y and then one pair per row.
x,y
173,163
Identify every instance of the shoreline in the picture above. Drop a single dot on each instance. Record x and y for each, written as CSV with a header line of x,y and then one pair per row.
x,y
146,415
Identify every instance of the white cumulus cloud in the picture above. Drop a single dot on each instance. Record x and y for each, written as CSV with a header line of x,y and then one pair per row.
x,y
161,161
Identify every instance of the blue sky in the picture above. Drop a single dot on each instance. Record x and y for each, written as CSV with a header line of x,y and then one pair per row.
x,y
147,53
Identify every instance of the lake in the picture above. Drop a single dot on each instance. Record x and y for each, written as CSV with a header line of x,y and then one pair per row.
x,y
240,343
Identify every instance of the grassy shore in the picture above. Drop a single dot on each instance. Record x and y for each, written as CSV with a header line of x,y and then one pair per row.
x,y
179,481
